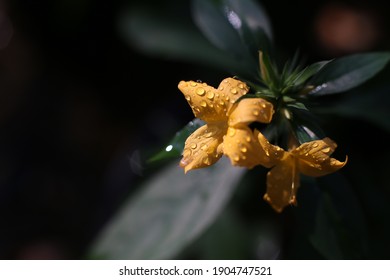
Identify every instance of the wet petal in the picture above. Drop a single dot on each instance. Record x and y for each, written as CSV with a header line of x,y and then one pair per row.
x,y
203,147
250,110
314,158
232,89
282,184
211,104
271,154
242,147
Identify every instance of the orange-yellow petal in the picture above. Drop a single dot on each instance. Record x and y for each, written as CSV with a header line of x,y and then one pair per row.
x,y
282,184
203,147
211,104
314,158
250,110
242,147
270,154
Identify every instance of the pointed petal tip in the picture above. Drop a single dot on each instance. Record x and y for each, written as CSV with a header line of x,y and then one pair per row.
x,y
275,207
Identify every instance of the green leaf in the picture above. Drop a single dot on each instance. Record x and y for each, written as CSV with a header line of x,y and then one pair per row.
x,y
162,35
175,147
308,72
169,212
347,72
369,102
241,28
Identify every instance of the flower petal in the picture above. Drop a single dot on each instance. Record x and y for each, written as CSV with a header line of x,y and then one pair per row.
x,y
270,154
282,184
314,158
203,147
250,110
242,147
210,104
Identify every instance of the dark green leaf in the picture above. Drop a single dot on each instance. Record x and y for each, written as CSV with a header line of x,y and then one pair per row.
x,y
175,147
369,102
162,36
241,28
308,72
348,72
169,212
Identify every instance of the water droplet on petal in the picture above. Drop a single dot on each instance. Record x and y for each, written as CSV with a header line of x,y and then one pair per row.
x,y
248,139
200,91
193,146
326,150
193,84
232,132
203,104
210,95
234,91
256,112
244,149
315,145
236,157
263,105
188,98
241,86
206,161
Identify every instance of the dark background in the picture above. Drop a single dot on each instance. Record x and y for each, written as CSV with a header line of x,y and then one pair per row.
x,y
80,106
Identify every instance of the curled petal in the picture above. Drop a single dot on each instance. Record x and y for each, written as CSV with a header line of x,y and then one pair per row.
x,y
203,147
232,89
314,158
270,154
210,104
242,147
250,110
282,184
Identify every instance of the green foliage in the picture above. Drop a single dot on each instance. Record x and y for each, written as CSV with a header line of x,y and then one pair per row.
x,y
169,212
172,210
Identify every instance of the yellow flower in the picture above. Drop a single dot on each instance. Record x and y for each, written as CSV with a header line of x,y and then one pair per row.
x,y
226,130
311,159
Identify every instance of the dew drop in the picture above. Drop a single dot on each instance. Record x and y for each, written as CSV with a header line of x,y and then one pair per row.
x,y
234,91
210,95
206,161
221,88
326,150
193,84
241,86
315,145
193,146
200,91
248,139
203,104
244,149
263,105
236,157
256,112
188,98
169,148
232,132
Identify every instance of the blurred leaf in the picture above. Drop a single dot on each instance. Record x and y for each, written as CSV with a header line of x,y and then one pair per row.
x,y
169,212
333,217
241,28
369,102
175,147
163,35
347,72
